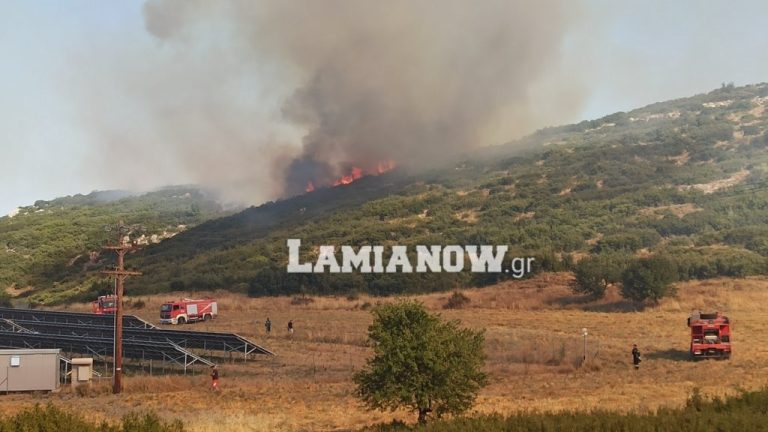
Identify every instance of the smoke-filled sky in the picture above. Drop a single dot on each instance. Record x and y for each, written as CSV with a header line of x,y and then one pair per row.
x,y
255,98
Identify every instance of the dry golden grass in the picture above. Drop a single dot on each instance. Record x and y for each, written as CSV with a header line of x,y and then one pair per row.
x,y
534,348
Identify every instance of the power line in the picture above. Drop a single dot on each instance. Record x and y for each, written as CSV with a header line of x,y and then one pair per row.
x,y
120,274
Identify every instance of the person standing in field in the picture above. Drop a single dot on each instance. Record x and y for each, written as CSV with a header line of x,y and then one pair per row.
x,y
636,356
214,378
290,327
268,325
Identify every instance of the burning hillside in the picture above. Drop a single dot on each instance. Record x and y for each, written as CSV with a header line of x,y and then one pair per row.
x,y
354,173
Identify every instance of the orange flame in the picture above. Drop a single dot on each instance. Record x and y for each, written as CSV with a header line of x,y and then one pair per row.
x,y
357,173
385,166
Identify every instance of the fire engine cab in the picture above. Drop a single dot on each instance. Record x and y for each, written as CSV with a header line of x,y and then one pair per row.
x,y
710,335
188,310
105,305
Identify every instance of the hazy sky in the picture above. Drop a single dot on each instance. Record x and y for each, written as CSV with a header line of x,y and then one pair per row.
x,y
69,71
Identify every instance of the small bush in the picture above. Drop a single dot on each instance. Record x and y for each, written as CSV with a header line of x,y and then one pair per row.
x,y
94,389
82,390
138,304
5,299
150,422
457,300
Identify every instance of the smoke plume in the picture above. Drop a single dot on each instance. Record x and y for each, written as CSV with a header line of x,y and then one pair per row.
x,y
258,98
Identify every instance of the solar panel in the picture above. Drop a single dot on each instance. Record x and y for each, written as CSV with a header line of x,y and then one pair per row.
x,y
209,341
71,317
134,328
102,347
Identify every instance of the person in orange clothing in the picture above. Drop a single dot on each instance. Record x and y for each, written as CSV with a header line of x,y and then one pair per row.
x,y
214,378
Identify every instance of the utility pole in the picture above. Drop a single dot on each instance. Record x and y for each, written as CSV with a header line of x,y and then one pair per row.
x,y
119,273
584,332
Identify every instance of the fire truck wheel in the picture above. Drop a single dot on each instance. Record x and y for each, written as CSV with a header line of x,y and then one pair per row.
x,y
182,320
206,317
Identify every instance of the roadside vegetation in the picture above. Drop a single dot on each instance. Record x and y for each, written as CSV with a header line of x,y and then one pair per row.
x,y
745,412
52,419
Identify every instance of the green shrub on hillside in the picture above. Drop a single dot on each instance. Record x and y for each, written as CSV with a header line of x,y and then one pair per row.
x,y
457,300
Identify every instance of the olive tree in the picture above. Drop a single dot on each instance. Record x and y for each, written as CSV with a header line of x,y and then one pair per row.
x,y
421,362
589,278
649,279
593,274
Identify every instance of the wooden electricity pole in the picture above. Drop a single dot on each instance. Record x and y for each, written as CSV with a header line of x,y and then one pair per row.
x,y
119,273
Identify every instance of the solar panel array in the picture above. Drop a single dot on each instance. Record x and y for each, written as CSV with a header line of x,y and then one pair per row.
x,y
92,334
207,341
71,317
102,348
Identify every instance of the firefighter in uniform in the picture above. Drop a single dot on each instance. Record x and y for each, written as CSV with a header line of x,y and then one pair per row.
x,y
636,356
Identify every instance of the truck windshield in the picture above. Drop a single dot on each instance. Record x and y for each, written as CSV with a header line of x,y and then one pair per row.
x,y
165,308
109,304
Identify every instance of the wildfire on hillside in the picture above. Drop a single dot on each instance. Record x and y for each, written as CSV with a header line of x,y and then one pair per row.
x,y
356,173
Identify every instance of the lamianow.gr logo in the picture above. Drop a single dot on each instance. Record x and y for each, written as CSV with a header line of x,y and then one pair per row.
x,y
432,258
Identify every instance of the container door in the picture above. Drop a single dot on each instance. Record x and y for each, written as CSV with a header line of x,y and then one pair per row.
x,y
192,310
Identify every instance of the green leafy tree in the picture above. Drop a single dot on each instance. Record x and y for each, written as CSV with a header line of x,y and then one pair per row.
x,y
590,277
421,362
649,279
593,274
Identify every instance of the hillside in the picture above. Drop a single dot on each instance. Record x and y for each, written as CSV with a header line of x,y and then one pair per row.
x,y
58,242
685,177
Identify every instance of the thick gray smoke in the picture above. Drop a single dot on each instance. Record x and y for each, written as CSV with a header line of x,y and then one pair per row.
x,y
261,97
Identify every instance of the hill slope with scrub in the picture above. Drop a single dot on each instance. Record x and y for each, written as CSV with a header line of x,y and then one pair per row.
x,y
685,178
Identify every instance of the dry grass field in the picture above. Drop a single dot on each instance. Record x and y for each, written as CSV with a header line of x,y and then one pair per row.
x,y
533,342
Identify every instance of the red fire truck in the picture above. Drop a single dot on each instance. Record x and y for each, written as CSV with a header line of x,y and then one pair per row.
x,y
104,305
188,310
710,335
